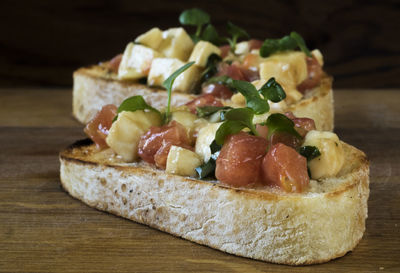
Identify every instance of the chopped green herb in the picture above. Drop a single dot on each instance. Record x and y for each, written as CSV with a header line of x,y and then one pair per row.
x,y
168,83
235,120
253,98
236,32
289,42
211,67
206,111
273,91
208,168
309,152
224,80
280,123
133,104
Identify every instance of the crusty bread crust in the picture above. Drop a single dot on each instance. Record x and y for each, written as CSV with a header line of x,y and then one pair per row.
x,y
95,87
321,224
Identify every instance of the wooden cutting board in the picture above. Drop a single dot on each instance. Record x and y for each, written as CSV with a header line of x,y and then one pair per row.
x,y
43,229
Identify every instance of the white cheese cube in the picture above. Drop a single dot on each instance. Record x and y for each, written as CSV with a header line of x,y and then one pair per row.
x,y
289,68
136,62
205,136
242,48
187,119
124,134
182,161
318,55
176,43
202,51
151,38
162,68
331,160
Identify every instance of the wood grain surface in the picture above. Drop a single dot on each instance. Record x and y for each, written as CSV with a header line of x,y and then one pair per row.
x,y
42,42
43,229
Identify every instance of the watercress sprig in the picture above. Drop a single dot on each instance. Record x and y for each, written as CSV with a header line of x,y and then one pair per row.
x,y
168,83
280,123
236,32
194,17
272,91
206,111
235,121
133,104
289,42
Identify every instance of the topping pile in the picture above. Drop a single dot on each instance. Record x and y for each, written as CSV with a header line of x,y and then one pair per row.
x,y
239,142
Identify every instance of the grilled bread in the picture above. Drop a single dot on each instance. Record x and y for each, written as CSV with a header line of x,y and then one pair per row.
x,y
322,223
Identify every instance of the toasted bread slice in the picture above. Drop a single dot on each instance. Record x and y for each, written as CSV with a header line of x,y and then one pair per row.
x,y
96,86
315,226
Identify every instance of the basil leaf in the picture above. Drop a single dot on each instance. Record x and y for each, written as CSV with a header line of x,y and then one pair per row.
x,y
133,104
309,152
211,67
210,34
300,42
280,123
236,32
291,42
235,120
206,111
194,17
272,91
168,83
253,98
208,169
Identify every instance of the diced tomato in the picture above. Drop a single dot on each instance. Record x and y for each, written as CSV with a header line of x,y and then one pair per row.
x,y
217,90
224,50
302,125
239,161
232,70
285,138
155,144
285,168
250,74
262,130
314,70
114,63
255,44
203,100
251,61
97,129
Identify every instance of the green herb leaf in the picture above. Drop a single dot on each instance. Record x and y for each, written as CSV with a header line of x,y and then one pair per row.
x,y
280,123
253,98
133,104
236,32
194,17
235,120
309,152
289,42
206,111
210,34
211,67
224,80
208,168
300,42
272,91
168,83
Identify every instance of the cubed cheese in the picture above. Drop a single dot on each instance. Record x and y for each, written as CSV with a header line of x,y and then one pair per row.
x,y
182,161
289,68
318,55
187,119
176,43
151,38
331,160
136,61
162,68
205,136
202,51
124,134
242,48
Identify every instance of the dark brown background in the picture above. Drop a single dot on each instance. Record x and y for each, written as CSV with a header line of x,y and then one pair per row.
x,y
42,42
